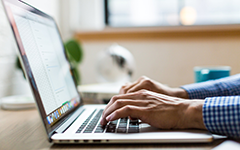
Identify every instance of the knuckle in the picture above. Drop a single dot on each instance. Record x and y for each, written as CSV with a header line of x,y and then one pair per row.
x,y
125,91
147,103
117,112
127,108
143,93
119,102
123,87
147,82
115,98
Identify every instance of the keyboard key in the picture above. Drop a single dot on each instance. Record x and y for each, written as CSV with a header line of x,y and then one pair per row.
x,y
98,131
78,131
99,128
123,120
87,131
134,122
114,122
121,130
111,128
133,130
122,125
133,126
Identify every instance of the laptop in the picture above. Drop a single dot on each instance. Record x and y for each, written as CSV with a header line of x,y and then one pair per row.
x,y
65,118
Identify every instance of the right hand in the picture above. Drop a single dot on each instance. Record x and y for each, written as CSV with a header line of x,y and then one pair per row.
x,y
158,110
154,86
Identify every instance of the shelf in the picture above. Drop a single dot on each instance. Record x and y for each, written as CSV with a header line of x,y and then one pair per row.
x,y
159,32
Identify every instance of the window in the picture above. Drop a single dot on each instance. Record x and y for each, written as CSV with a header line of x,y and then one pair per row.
x,y
127,13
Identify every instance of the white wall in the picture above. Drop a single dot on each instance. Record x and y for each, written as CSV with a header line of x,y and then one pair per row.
x,y
7,55
80,15
169,61
50,7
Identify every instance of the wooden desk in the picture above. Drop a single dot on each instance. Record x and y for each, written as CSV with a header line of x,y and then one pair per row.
x,y
22,130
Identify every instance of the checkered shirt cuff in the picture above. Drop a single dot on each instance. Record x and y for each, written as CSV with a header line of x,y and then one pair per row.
x,y
221,115
228,86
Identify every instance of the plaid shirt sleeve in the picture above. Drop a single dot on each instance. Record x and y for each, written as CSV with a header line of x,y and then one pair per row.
x,y
221,109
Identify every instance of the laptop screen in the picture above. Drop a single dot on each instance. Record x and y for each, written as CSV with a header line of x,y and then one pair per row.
x,y
43,55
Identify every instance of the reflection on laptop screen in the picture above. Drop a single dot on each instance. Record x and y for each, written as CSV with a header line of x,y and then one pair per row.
x,y
43,49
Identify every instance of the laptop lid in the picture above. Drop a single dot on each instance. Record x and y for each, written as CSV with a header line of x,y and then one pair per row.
x,y
46,67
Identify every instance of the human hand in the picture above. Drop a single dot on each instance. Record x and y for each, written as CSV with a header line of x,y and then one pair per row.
x,y
158,110
154,86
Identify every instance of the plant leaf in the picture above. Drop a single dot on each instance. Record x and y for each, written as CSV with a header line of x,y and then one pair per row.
x,y
74,50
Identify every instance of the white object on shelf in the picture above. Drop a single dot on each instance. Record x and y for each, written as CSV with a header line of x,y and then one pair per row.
x,y
115,64
17,102
99,93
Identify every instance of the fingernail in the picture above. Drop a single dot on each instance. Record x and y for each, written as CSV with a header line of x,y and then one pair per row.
x,y
108,118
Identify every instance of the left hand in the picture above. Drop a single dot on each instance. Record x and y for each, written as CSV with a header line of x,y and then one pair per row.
x,y
161,111
145,83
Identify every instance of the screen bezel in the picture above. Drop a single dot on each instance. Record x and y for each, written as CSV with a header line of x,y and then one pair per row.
x,y
26,67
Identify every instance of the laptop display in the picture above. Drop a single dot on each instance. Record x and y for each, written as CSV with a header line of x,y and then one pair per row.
x,y
46,65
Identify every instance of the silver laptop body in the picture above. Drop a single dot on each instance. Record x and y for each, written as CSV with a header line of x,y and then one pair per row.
x,y
65,118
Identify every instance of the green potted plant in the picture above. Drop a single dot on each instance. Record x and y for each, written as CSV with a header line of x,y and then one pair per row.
x,y
75,55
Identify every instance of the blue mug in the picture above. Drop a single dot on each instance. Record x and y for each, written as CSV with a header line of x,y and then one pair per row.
x,y
210,73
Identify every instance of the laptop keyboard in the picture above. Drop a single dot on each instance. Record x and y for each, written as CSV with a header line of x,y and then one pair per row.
x,y
123,125
85,123
93,122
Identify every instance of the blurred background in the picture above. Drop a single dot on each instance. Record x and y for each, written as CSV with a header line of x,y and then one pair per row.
x,y
167,38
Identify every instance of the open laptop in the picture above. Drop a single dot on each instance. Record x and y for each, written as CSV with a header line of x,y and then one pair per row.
x,y
65,118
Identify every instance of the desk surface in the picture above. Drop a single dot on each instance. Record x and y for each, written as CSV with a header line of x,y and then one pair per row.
x,y
23,130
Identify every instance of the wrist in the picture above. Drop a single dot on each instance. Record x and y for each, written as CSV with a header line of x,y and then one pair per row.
x,y
179,92
193,117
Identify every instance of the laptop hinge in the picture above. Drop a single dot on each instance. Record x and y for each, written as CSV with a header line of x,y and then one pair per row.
x,y
63,127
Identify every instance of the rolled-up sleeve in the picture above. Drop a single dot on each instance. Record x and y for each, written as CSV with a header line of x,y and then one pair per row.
x,y
221,109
